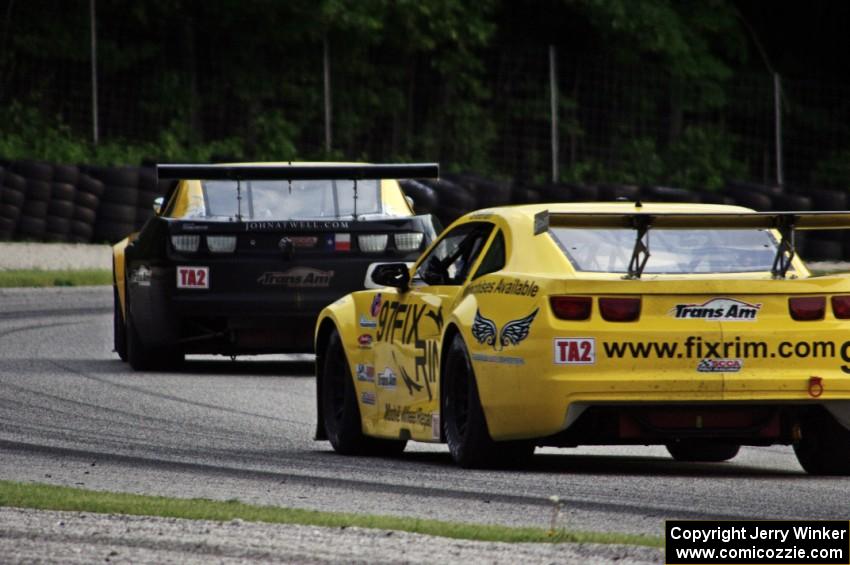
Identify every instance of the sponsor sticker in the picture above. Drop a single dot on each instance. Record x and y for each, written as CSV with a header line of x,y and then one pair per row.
x,y
368,398
720,365
717,310
375,308
303,241
364,341
141,276
485,332
297,277
193,277
435,425
296,225
342,242
365,373
407,415
575,350
367,322
387,379
515,287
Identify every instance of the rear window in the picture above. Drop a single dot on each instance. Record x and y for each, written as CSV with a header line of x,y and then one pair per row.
x,y
281,200
671,251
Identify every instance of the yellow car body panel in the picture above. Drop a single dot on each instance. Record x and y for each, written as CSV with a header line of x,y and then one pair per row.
x,y
537,387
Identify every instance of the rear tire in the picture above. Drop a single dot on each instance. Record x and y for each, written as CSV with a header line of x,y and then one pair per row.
x,y
144,358
119,328
703,451
824,445
464,423
340,408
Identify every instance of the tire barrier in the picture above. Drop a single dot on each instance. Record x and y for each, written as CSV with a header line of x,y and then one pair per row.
x,y
60,202
12,199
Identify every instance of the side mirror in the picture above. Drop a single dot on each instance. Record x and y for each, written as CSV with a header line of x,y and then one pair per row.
x,y
157,205
392,274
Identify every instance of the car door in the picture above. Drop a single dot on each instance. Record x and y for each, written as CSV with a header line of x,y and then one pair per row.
x,y
410,324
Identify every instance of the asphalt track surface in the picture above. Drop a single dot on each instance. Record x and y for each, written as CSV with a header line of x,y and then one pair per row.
x,y
72,414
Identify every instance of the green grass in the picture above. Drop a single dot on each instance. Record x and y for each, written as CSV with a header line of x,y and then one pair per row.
x,y
49,497
37,277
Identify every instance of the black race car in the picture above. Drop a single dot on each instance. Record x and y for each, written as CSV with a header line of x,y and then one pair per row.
x,y
240,259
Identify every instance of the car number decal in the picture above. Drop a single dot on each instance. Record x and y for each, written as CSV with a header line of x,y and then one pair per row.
x,y
575,351
193,277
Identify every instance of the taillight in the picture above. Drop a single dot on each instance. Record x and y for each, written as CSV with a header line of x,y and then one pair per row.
x,y
407,241
571,307
619,309
372,243
186,243
806,308
221,243
841,307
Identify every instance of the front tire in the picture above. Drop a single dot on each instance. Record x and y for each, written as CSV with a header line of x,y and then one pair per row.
x,y
340,408
823,447
702,451
464,423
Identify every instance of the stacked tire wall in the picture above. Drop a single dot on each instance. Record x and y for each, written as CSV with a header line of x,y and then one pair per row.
x,y
42,201
456,194
57,202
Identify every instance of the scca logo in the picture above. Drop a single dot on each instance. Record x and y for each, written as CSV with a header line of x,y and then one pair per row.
x,y
575,351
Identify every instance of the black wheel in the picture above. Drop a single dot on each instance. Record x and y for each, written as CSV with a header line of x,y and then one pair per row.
x,y
144,358
119,329
464,424
700,450
823,446
340,409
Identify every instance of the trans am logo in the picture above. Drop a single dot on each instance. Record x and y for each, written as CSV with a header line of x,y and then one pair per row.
x,y
485,332
297,277
718,310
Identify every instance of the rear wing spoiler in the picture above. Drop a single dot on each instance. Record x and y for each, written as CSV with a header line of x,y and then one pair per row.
x,y
298,172
784,222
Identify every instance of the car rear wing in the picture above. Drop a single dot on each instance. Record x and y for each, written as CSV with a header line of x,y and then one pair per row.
x,y
298,172
786,223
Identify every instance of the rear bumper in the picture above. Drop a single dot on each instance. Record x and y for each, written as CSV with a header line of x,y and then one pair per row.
x,y
547,405
226,322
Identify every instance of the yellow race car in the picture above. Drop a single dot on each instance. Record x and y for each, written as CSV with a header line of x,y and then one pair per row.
x,y
691,326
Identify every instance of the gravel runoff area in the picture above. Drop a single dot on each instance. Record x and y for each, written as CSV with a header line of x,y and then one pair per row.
x,y
28,536
54,256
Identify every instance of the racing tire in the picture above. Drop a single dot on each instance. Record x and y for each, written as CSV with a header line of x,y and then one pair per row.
x,y
341,411
144,358
464,423
823,446
12,196
119,328
702,451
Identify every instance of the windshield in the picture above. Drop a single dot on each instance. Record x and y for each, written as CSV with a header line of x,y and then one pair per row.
x,y
671,251
281,200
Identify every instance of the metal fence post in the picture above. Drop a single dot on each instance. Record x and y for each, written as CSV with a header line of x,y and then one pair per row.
x,y
553,108
94,125
777,116
327,71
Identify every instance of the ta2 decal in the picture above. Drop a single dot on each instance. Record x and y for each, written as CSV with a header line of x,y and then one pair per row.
x,y
193,277
575,351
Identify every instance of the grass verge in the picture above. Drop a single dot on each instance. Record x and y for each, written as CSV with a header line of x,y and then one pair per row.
x,y
49,497
37,277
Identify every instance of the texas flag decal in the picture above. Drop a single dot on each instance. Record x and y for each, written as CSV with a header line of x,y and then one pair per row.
x,y
342,242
